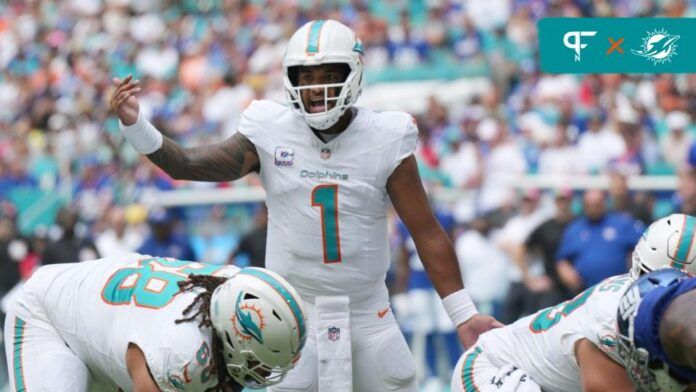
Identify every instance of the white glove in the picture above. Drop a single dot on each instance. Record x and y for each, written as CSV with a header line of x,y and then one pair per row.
x,y
512,379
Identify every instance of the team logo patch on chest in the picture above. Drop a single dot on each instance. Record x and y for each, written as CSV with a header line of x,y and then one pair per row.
x,y
325,153
284,156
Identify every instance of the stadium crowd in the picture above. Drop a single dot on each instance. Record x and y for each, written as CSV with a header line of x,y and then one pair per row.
x,y
72,189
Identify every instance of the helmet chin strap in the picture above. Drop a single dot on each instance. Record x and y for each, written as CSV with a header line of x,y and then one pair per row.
x,y
327,135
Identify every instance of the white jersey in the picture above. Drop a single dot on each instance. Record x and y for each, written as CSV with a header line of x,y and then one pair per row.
x,y
98,307
543,344
327,202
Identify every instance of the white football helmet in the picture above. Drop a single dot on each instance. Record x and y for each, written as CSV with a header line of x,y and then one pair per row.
x,y
667,242
260,319
324,42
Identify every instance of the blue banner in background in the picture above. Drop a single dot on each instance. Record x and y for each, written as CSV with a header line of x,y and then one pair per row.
x,y
617,45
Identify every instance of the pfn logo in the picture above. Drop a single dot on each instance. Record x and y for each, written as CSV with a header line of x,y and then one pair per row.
x,y
572,40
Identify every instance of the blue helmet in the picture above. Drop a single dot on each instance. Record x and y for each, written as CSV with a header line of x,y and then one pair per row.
x,y
638,337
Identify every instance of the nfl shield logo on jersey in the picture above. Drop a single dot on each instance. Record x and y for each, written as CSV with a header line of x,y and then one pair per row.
x,y
334,333
284,156
325,153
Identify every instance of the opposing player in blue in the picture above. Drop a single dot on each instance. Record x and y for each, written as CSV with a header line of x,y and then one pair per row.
x,y
141,323
657,337
329,170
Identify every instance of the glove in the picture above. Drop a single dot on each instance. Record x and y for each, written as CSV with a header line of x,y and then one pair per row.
x,y
512,379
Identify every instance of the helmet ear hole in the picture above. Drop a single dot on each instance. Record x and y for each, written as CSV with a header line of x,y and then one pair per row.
x,y
276,315
292,74
250,296
345,70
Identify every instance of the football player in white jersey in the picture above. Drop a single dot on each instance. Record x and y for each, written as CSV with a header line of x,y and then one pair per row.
x,y
572,346
329,170
145,323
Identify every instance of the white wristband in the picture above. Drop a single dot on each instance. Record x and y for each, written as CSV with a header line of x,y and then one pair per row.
x,y
459,307
142,135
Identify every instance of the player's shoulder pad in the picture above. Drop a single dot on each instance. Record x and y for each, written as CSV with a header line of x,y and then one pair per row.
x,y
263,108
399,130
396,122
395,128
257,114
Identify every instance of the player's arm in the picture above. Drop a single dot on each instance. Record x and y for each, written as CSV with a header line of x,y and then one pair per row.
x,y
138,370
598,372
433,245
677,334
567,250
569,275
225,161
435,249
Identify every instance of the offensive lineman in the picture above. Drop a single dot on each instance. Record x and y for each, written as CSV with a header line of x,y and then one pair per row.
x,y
329,169
572,346
141,323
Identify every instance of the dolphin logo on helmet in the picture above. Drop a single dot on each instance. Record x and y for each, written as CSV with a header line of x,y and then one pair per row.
x,y
260,320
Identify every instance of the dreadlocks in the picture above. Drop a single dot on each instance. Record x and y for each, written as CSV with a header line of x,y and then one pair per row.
x,y
202,301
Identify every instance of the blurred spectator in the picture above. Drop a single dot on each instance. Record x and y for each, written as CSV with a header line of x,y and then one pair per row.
x,y
252,247
599,145
13,175
119,237
215,237
407,47
677,143
596,245
544,284
511,239
503,159
67,245
463,169
560,158
484,267
468,43
685,198
622,199
488,14
164,240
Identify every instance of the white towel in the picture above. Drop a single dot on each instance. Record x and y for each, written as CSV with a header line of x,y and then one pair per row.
x,y
333,344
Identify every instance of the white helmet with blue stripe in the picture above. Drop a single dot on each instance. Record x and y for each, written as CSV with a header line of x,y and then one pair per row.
x,y
667,242
324,42
260,319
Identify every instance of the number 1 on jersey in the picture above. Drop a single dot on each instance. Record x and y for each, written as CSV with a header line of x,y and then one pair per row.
x,y
325,197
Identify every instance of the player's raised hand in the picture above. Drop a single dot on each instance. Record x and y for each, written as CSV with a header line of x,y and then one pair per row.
x,y
470,330
123,101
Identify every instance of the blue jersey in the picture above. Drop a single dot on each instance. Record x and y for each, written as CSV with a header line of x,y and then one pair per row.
x,y
598,249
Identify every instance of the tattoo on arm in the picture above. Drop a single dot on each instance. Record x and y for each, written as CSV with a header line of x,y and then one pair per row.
x,y
227,161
